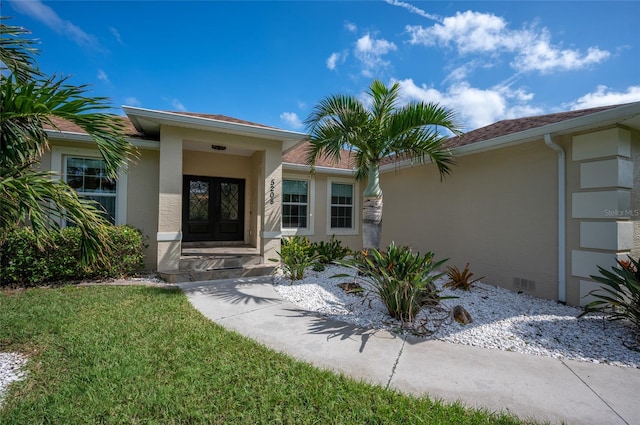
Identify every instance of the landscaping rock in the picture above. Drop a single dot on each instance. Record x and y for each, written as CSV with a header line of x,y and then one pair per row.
x,y
461,315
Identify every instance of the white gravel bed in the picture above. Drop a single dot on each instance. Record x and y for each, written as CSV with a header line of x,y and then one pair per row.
x,y
502,319
10,370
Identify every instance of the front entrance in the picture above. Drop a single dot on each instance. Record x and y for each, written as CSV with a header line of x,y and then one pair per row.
x,y
212,209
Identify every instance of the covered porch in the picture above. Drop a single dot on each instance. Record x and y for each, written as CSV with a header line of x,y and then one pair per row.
x,y
219,203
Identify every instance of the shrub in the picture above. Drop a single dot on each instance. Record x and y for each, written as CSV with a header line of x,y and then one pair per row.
x,y
402,280
23,263
331,251
619,298
296,254
460,279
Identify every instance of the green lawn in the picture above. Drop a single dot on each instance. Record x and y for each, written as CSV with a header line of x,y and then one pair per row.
x,y
103,354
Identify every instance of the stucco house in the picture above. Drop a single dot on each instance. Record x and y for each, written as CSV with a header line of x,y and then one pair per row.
x,y
534,204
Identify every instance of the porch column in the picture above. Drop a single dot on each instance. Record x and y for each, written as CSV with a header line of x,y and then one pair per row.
x,y
271,231
170,200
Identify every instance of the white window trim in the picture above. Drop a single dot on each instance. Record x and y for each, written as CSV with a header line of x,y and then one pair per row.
x,y
354,230
309,230
58,154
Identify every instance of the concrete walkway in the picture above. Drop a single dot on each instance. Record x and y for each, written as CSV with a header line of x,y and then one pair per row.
x,y
531,387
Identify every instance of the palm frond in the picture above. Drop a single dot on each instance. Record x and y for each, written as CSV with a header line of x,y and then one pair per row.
x,y
17,52
384,101
29,106
334,123
41,200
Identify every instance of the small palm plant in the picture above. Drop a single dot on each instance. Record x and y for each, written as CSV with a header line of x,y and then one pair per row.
x,y
619,297
401,279
296,255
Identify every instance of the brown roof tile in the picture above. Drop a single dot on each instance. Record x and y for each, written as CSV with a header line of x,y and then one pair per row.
x,y
505,127
220,118
298,155
68,126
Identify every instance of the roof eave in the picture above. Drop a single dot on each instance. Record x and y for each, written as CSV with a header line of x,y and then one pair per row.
x,y
290,166
149,121
85,138
586,122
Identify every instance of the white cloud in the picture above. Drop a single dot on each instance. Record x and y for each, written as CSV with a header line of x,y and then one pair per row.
x,y
603,96
178,105
302,105
292,119
475,107
370,50
350,26
541,56
116,34
103,76
38,11
411,8
337,58
474,32
331,61
132,101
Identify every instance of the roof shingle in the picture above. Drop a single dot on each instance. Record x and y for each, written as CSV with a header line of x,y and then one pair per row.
x,y
67,126
298,155
506,127
219,117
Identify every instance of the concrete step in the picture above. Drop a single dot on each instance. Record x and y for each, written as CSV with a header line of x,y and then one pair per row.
x,y
215,244
179,276
205,262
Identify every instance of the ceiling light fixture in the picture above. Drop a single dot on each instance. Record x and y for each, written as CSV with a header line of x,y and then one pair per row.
x,y
218,147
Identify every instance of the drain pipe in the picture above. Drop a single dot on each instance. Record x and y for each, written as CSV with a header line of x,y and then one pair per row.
x,y
562,219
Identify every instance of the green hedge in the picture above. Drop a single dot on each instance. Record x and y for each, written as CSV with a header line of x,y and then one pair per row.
x,y
23,264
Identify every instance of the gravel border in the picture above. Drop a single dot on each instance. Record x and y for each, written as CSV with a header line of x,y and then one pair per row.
x,y
11,370
502,319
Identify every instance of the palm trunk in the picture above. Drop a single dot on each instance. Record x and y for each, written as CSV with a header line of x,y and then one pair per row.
x,y
372,210
371,223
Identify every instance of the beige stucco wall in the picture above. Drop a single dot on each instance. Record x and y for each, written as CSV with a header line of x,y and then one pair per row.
x,y
212,164
497,211
142,201
255,194
572,225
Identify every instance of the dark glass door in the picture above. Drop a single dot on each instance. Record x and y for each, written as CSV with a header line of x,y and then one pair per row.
x,y
212,209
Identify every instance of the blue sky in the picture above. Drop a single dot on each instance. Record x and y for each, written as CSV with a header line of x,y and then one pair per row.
x,y
271,62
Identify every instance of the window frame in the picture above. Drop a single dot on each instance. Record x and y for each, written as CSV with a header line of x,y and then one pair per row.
x,y
59,155
303,231
355,205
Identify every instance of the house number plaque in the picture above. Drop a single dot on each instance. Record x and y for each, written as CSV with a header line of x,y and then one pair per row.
x,y
272,193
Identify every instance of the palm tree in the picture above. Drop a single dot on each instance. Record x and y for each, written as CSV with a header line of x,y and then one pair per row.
x,y
383,130
28,102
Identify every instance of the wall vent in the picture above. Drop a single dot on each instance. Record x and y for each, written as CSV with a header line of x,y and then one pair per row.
x,y
525,285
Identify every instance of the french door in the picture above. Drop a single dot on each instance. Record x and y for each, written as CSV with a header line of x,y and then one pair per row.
x,y
212,209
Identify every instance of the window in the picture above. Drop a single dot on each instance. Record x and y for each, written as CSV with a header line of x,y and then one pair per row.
x,y
342,217
84,170
295,204
89,178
